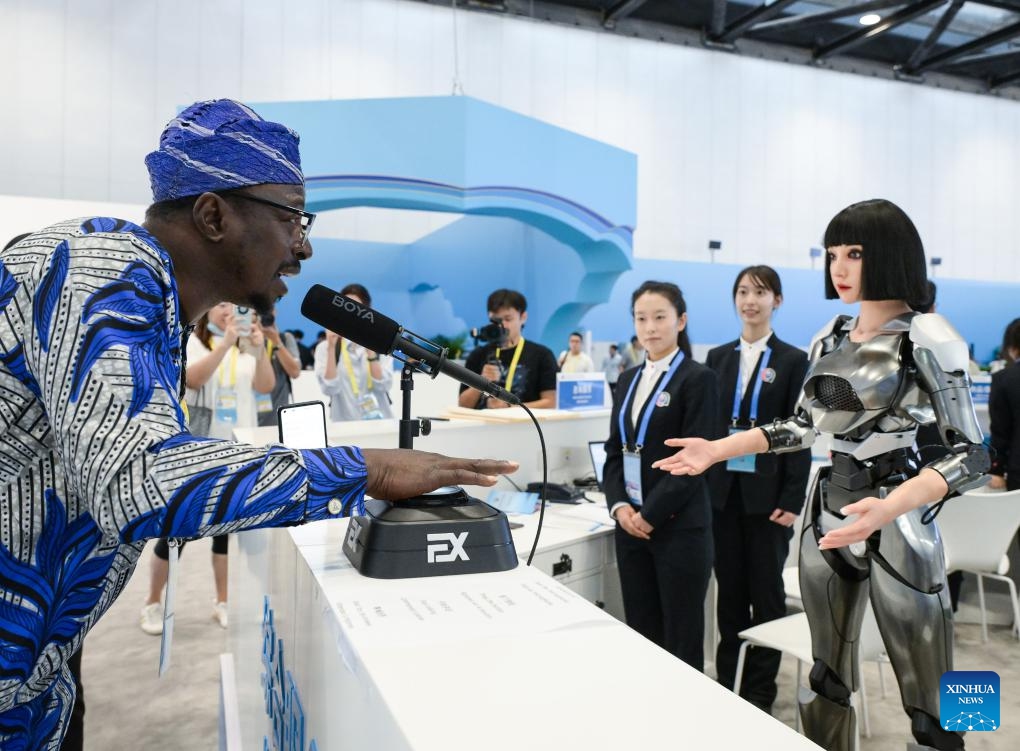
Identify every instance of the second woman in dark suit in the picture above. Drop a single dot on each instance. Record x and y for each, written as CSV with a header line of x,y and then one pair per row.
x,y
1004,412
755,499
663,523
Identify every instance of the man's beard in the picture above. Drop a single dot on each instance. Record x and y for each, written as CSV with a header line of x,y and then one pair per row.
x,y
262,303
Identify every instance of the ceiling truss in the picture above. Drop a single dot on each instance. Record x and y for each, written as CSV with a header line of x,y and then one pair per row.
x,y
971,45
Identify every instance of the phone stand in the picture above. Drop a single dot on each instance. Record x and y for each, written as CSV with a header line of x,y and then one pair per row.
x,y
442,532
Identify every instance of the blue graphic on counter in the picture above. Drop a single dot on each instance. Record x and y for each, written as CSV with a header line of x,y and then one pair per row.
x,y
283,700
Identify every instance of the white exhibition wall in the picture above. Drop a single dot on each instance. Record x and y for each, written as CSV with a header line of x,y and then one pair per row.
x,y
756,154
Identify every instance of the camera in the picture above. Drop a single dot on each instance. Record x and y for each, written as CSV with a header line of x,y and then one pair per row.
x,y
494,331
267,320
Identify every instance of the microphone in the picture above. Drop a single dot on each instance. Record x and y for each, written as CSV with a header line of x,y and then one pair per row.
x,y
372,330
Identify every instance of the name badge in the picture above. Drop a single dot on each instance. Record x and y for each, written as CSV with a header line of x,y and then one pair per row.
x,y
368,406
263,403
632,477
167,639
226,406
743,463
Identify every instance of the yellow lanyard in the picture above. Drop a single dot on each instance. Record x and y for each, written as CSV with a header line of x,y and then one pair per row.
x,y
513,363
233,369
349,367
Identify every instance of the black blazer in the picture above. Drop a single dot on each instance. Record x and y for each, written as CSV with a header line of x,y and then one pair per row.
x,y
779,480
1004,412
693,400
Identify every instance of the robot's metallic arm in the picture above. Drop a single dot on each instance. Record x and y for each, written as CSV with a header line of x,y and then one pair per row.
x,y
792,434
942,361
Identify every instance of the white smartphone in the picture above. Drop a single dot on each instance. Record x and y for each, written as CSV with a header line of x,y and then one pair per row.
x,y
242,320
303,425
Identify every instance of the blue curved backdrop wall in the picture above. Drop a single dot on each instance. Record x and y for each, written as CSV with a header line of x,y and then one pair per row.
x,y
543,210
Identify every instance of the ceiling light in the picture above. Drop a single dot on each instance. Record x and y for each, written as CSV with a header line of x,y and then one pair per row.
x,y
870,19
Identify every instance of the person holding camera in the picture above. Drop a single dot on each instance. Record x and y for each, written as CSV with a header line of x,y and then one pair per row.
x,y
228,370
356,380
285,359
524,368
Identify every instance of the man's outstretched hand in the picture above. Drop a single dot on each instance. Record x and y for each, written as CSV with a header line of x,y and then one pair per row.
x,y
395,474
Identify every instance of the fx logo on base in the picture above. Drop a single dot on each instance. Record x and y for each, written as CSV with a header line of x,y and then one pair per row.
x,y
446,541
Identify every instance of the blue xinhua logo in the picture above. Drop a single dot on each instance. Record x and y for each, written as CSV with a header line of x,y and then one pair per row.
x,y
969,700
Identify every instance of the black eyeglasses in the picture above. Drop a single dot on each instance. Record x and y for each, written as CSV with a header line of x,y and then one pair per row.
x,y
304,220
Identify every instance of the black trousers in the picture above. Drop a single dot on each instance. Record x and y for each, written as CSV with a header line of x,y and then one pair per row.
x,y
220,545
664,581
750,552
74,735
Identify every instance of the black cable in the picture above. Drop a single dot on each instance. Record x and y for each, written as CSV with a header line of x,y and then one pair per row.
x,y
516,486
545,483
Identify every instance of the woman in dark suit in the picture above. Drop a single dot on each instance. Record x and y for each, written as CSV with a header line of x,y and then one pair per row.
x,y
755,499
663,523
1004,412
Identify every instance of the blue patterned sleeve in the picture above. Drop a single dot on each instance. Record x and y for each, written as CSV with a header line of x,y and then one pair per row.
x,y
214,487
104,347
335,473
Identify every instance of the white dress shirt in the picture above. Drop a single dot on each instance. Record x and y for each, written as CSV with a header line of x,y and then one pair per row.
x,y
749,354
649,376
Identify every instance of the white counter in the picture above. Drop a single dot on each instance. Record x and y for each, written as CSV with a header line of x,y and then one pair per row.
x,y
514,660
494,661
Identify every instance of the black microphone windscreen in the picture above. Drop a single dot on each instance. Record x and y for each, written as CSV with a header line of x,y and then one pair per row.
x,y
350,319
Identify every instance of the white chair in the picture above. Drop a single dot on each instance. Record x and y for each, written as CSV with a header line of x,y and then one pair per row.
x,y
977,529
792,635
791,586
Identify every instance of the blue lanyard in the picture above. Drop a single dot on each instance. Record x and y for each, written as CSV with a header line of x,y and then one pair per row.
x,y
639,439
738,395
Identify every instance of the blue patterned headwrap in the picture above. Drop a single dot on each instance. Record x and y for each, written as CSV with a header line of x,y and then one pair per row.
x,y
219,145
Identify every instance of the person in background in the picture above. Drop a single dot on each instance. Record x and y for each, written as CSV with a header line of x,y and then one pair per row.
x,y
356,380
663,523
633,354
755,500
285,359
612,366
869,379
1002,355
304,353
226,375
523,367
1004,413
573,359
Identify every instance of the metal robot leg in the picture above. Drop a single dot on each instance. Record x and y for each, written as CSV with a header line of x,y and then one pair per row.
x,y
911,603
834,588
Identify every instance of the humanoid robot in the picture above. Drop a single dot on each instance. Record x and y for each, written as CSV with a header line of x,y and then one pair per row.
x,y
870,396
869,384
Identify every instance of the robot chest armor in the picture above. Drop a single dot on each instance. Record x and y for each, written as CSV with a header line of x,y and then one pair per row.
x,y
857,386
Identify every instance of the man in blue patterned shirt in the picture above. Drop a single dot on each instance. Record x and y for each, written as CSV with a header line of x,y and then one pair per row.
x,y
95,454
